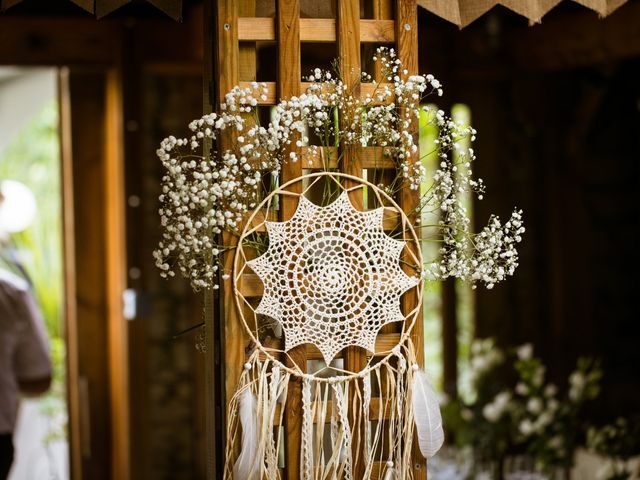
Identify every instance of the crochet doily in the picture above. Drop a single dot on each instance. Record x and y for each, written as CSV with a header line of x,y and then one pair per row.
x,y
331,276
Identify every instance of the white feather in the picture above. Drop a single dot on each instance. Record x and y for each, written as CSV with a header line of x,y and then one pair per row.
x,y
426,412
246,466
390,475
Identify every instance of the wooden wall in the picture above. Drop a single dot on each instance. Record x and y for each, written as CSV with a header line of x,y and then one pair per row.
x,y
125,84
556,107
558,122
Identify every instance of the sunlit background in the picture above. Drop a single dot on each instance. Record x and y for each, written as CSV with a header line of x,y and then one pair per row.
x,y
30,155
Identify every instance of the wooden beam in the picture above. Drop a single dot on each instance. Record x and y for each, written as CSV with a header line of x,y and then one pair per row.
x,y
231,338
406,46
68,41
326,157
215,398
316,30
87,103
288,40
384,343
63,41
366,89
577,39
348,37
69,257
116,277
377,410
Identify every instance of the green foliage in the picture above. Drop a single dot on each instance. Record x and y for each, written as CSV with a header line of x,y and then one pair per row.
x,y
33,159
512,409
620,439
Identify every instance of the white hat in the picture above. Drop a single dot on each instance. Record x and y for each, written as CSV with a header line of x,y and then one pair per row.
x,y
17,206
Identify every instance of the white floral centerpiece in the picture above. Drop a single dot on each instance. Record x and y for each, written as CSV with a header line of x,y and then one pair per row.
x,y
512,409
618,442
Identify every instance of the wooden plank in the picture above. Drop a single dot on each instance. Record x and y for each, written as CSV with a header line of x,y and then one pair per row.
x,y
377,31
383,9
348,30
212,366
256,29
271,96
384,343
390,222
232,341
116,277
376,411
288,41
49,41
326,157
247,65
406,46
70,310
87,91
316,30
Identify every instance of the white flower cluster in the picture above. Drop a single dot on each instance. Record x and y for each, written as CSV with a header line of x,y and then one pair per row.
x,y
201,197
387,117
204,195
618,443
495,410
485,356
489,256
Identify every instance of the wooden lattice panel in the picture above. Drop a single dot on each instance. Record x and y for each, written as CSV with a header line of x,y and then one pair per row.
x,y
236,31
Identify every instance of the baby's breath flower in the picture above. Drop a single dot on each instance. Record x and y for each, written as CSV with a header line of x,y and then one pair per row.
x,y
205,195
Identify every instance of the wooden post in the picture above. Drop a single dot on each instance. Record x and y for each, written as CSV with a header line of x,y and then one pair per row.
x,y
288,85
69,248
406,46
234,24
115,264
229,334
348,36
214,392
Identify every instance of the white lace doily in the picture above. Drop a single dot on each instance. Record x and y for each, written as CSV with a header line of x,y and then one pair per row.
x,y
331,276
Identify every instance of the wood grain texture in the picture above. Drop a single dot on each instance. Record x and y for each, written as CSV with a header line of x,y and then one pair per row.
x,y
116,277
46,41
272,95
86,94
407,48
288,85
316,30
233,337
382,10
247,50
68,246
376,410
348,30
384,343
326,157
213,323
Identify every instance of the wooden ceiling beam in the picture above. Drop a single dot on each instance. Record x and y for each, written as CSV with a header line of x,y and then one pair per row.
x,y
60,41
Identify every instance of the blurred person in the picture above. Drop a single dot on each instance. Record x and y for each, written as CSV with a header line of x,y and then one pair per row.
x,y
25,362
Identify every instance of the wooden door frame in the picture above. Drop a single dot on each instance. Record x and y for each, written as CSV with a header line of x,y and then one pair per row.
x,y
77,164
82,44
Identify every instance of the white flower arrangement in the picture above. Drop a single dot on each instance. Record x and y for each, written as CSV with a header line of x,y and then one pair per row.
x,y
211,185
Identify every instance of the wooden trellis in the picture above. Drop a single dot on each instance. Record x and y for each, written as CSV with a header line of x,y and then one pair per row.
x,y
234,31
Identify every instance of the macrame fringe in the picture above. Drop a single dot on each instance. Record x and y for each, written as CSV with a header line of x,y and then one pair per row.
x,y
342,424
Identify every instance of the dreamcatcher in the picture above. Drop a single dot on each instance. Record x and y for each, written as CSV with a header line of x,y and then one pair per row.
x,y
331,278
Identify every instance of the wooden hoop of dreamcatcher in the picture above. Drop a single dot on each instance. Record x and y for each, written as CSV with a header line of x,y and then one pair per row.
x,y
412,256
